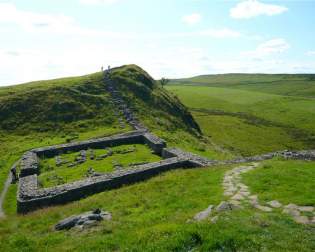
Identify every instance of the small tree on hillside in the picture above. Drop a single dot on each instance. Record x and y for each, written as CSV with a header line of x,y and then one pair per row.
x,y
164,81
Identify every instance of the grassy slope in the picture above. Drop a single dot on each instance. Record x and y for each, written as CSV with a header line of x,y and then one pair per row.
x,y
286,181
156,220
246,118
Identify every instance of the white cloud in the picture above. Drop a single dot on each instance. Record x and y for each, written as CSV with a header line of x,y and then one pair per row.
x,y
252,8
97,2
51,23
274,46
220,33
30,20
192,19
310,53
211,33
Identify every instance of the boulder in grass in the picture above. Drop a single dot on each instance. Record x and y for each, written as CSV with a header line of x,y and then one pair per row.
x,y
204,214
81,221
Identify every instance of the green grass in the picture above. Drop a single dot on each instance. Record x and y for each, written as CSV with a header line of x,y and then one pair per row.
x,y
51,175
286,181
152,216
282,84
168,201
239,136
13,146
250,122
9,205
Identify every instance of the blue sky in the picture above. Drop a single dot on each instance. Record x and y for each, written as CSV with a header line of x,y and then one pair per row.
x,y
43,39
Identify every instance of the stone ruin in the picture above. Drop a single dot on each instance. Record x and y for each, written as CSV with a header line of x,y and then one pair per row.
x,y
31,197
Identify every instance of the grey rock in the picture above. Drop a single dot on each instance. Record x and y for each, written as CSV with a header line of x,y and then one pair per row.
x,y
263,208
204,214
224,206
291,211
67,223
58,161
215,219
306,208
274,204
291,206
302,219
83,220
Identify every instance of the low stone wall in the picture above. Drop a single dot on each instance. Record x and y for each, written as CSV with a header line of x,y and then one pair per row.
x,y
30,197
134,137
306,155
193,158
29,164
155,143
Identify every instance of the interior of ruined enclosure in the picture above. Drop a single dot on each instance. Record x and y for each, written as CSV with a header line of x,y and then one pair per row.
x,y
71,166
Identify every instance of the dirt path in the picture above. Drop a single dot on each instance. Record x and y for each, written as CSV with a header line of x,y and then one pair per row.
x,y
3,194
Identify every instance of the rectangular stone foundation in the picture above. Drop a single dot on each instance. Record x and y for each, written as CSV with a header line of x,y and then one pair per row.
x,y
30,197
40,198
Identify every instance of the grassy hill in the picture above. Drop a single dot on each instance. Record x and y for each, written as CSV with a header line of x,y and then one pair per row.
x,y
251,114
153,215
70,109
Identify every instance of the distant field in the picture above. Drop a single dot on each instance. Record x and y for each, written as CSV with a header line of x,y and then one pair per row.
x,y
283,84
252,118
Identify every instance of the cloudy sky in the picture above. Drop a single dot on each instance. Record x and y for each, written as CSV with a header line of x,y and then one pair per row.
x,y
43,39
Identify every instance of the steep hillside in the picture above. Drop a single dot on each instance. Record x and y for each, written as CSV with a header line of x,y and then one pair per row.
x,y
51,105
